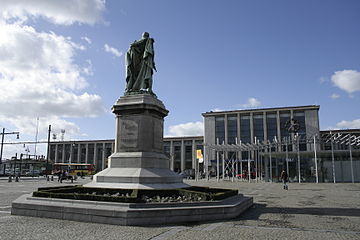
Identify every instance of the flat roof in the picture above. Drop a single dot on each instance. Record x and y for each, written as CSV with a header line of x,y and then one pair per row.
x,y
354,130
113,140
307,107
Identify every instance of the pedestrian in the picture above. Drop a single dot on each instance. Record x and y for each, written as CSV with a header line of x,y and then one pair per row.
x,y
59,175
62,175
284,178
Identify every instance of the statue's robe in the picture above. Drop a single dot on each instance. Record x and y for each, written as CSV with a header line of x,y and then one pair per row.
x,y
140,65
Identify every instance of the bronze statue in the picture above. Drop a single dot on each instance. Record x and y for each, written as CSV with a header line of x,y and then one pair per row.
x,y
140,65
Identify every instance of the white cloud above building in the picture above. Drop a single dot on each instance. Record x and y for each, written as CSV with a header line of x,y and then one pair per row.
x,y
251,103
347,80
186,129
354,124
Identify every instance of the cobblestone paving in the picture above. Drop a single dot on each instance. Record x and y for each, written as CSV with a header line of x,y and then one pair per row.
x,y
305,211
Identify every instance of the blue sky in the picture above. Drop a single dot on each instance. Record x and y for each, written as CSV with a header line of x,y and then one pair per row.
x,y
63,61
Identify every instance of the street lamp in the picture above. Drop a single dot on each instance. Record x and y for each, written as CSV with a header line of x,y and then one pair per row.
x,y
2,141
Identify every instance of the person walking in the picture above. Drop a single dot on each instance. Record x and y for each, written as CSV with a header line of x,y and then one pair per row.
x,y
284,177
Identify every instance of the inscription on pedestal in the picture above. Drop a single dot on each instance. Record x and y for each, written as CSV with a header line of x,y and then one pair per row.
x,y
129,131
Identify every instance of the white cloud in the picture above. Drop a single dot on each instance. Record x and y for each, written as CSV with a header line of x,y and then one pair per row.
x,y
349,124
59,12
86,39
186,129
335,96
38,78
251,103
347,80
112,50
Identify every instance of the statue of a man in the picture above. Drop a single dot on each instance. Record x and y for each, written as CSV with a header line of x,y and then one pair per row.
x,y
140,65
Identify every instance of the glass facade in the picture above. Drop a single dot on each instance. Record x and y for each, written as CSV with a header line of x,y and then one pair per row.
x,y
67,153
188,156
82,153
74,156
271,126
166,147
60,153
258,124
177,156
220,129
99,156
284,118
108,152
52,152
90,157
245,131
232,129
299,117
284,133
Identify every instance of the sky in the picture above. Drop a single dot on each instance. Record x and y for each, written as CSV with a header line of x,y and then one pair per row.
x,y
62,62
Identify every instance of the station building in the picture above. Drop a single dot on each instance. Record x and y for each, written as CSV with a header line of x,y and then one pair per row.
x,y
225,135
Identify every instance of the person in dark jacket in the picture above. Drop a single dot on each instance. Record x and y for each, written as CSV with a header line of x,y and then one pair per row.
x,y
284,177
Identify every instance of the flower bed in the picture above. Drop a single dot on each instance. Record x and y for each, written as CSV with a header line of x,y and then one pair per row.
x,y
191,194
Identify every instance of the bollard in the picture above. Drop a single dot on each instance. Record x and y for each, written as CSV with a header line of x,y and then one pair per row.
x,y
91,178
16,179
47,178
52,178
10,179
72,179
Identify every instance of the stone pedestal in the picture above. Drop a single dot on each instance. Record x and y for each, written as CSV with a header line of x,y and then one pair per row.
x,y
138,161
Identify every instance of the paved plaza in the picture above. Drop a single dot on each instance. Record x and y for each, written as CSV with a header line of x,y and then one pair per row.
x,y
305,211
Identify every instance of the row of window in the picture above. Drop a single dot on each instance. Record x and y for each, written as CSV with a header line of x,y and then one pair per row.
x,y
76,153
258,126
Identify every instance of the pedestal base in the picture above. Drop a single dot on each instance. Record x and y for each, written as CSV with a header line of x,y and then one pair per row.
x,y
137,178
138,161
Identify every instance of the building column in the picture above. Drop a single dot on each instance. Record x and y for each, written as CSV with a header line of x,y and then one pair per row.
x,y
238,136
63,153
226,133
86,153
103,157
94,160
172,156
193,155
78,154
278,129
182,156
265,126
56,153
71,153
292,135
251,127
264,160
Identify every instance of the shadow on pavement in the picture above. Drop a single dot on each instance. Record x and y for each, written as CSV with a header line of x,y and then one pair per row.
x,y
259,209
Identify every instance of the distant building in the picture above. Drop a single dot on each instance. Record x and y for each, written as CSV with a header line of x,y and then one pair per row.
x,y
180,150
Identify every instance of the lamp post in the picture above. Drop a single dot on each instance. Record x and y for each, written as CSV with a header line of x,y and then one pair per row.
x,y
298,155
48,152
2,141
